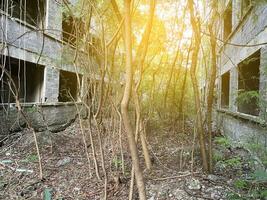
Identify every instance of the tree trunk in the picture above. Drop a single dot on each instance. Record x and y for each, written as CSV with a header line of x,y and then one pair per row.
x,y
125,102
211,83
181,103
197,41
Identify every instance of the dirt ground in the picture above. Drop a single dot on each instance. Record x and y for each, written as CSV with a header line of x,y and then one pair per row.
x,y
176,172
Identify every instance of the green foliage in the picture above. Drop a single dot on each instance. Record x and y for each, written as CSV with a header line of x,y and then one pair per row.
x,y
217,156
252,188
32,109
223,141
234,162
117,162
263,194
234,196
246,97
31,158
257,147
241,184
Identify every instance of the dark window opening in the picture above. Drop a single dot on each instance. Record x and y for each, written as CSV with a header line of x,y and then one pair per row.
x,y
245,5
30,11
248,85
227,21
225,90
25,77
68,86
72,29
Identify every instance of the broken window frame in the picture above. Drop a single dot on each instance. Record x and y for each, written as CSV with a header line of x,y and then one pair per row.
x,y
72,28
249,85
225,90
228,23
35,19
24,77
66,86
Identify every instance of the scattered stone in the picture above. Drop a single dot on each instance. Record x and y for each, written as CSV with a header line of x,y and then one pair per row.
x,y
152,198
215,196
213,177
194,184
6,161
8,153
230,182
215,192
63,162
24,170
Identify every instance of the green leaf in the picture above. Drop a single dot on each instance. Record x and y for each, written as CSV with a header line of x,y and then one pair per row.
x,y
47,194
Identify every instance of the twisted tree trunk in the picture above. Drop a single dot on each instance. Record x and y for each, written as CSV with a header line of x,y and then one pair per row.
x,y
211,82
197,41
125,102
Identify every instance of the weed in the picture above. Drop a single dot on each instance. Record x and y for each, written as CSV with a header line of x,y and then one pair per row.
x,y
30,158
217,156
234,162
223,141
117,162
241,184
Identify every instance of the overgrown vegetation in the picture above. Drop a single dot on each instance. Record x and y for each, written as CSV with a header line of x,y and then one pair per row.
x,y
149,67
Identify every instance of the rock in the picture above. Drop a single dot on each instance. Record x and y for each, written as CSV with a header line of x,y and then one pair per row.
x,y
215,196
63,162
180,194
194,184
215,192
230,182
213,177
152,198
8,153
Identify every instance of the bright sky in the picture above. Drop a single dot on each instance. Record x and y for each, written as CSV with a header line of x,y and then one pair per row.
x,y
170,12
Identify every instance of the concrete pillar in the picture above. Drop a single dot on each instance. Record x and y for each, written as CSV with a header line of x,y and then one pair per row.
x,y
236,14
263,84
51,84
233,89
53,19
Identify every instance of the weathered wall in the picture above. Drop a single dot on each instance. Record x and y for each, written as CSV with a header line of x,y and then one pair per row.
x,y
249,30
54,117
240,129
53,19
25,42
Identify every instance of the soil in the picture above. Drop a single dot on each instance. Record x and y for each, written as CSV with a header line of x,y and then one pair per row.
x,y
176,173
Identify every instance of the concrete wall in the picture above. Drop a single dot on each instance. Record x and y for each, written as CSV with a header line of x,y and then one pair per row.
x,y
249,29
52,117
25,42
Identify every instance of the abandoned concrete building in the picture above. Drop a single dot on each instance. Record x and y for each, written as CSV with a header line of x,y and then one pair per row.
x,y
242,71
35,43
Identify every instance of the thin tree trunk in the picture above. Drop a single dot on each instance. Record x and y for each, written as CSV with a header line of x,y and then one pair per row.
x,y
125,102
142,51
140,129
211,83
181,103
197,41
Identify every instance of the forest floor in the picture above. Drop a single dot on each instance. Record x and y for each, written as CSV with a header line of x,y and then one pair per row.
x,y
176,173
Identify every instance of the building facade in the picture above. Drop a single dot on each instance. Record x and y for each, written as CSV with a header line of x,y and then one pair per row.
x,y
37,44
242,71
